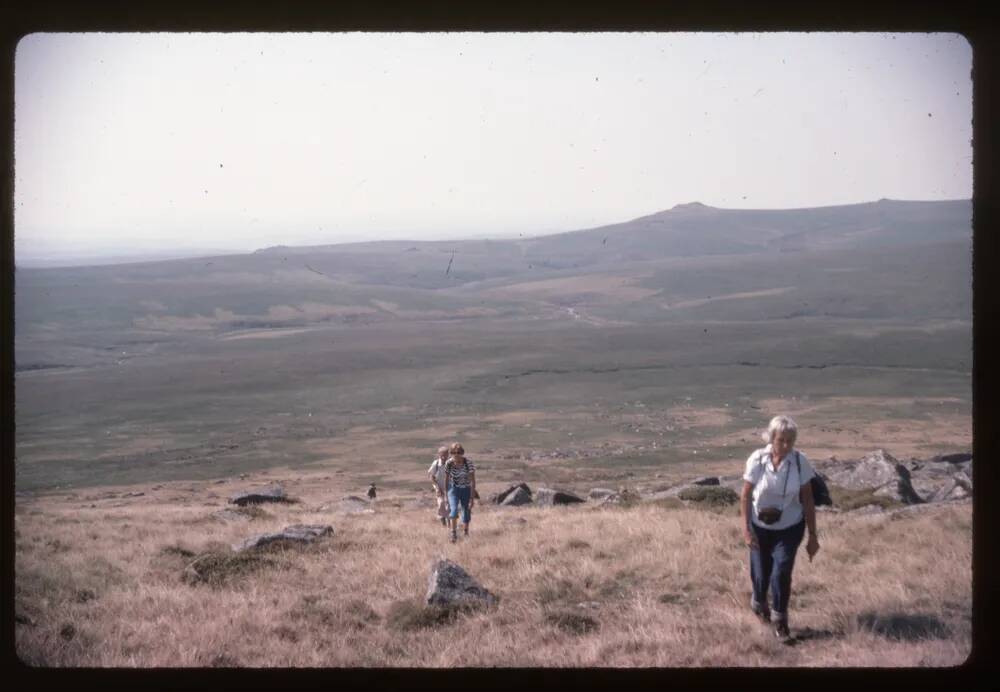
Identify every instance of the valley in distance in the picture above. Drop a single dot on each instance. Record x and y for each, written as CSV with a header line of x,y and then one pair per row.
x,y
617,363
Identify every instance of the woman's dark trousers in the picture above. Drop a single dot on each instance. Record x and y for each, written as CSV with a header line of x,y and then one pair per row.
x,y
771,566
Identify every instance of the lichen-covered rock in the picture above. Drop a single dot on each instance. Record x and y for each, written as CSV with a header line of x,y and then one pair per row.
x,y
880,472
501,497
519,496
298,533
451,586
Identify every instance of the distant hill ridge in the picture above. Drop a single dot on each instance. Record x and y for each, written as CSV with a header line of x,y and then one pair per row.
x,y
955,215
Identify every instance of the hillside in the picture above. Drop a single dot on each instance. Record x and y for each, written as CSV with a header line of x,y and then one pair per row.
x,y
104,579
201,367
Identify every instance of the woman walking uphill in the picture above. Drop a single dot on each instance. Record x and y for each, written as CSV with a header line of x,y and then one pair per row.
x,y
777,507
460,476
438,482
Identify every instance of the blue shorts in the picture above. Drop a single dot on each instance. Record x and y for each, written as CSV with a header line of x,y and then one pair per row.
x,y
461,496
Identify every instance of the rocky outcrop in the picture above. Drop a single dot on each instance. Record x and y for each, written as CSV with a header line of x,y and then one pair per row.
x,y
549,496
520,496
600,493
271,493
880,472
298,533
519,491
451,586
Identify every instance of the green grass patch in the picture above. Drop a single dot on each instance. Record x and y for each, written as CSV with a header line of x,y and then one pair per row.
x,y
714,495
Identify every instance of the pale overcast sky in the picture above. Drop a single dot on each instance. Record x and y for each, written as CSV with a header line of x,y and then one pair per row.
x,y
132,143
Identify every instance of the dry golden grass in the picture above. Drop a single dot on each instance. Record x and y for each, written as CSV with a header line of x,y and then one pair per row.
x,y
647,585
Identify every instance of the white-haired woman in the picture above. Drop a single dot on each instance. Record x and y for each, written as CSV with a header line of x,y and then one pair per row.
x,y
776,506
439,482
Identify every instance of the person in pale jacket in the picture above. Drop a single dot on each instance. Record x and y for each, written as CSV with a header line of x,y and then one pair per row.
x,y
776,507
439,482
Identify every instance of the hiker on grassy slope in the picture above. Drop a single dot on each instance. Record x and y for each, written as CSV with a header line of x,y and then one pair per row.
x,y
460,475
776,507
440,483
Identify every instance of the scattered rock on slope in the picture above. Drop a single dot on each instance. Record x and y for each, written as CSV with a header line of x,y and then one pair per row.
x,y
517,494
880,472
550,496
298,533
520,496
451,586
271,493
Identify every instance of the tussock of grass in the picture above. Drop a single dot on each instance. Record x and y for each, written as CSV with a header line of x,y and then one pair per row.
x,y
218,569
574,623
85,596
847,499
176,550
559,589
408,615
255,511
668,503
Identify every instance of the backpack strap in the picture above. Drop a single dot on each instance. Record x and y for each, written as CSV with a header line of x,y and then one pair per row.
x,y
760,462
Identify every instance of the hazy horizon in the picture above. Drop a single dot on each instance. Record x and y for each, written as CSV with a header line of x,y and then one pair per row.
x,y
133,145
56,259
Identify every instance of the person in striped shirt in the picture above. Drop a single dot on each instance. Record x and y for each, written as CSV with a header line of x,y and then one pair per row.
x,y
460,476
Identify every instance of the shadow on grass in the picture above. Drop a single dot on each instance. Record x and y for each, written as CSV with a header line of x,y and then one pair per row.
x,y
904,627
812,634
410,615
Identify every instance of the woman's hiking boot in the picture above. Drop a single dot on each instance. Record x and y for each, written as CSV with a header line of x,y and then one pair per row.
x,y
762,612
781,631
454,536
466,530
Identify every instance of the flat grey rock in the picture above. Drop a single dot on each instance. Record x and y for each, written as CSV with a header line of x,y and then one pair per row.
x,y
600,493
297,533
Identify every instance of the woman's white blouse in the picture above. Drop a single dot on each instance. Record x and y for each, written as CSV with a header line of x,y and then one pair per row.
x,y
768,485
